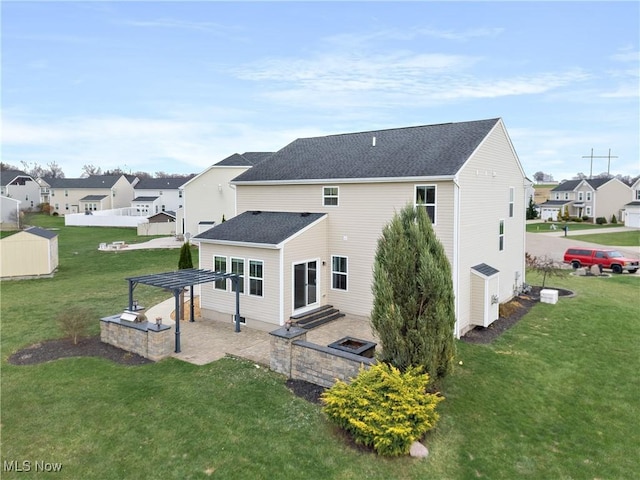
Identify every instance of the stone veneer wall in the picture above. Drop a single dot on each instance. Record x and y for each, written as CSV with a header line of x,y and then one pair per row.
x,y
298,359
145,338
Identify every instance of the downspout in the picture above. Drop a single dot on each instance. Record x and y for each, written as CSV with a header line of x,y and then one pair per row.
x,y
281,286
456,261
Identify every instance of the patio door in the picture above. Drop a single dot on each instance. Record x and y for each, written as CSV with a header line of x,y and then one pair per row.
x,y
305,284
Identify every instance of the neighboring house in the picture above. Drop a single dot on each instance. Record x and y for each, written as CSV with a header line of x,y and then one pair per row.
x,y
9,213
208,197
632,209
309,219
163,223
93,193
20,186
29,253
597,197
154,195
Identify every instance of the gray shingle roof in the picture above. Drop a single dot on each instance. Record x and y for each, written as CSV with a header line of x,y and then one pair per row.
x,y
93,181
144,199
6,176
486,270
93,198
246,159
41,232
555,203
430,150
269,228
570,185
168,183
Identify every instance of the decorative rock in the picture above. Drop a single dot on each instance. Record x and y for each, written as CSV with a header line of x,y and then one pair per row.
x,y
581,272
418,450
595,270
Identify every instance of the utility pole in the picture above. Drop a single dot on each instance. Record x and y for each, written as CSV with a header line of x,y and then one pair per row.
x,y
609,157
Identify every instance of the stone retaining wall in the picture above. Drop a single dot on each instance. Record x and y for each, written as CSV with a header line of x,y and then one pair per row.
x,y
145,338
298,359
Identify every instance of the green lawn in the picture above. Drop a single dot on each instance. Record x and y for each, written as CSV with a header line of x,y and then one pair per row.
x,y
554,397
621,239
545,227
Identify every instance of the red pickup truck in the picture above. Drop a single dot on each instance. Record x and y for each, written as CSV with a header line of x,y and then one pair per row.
x,y
605,258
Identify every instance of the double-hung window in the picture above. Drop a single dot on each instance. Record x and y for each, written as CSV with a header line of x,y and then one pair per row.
x,y
426,198
237,267
339,272
588,196
220,266
512,194
330,196
256,277
501,236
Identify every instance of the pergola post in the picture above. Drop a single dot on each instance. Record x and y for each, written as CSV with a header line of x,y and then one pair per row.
x,y
236,282
192,309
176,293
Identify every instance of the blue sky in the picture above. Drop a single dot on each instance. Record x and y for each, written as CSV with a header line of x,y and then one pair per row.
x,y
177,87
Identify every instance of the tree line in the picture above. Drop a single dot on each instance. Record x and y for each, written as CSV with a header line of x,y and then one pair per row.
x,y
53,170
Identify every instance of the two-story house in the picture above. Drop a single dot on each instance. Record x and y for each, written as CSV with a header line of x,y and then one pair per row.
x,y
632,209
309,219
95,192
209,196
155,195
593,198
21,187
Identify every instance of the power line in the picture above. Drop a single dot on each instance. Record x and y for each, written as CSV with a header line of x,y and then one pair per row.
x,y
609,157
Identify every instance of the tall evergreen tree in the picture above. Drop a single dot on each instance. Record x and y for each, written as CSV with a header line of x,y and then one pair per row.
x,y
413,310
531,209
185,257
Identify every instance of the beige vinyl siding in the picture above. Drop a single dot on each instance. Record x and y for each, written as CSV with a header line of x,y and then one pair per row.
x,y
477,307
353,227
25,254
203,200
221,305
610,199
484,182
310,245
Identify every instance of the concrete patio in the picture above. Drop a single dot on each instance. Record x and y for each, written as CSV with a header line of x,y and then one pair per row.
x,y
205,341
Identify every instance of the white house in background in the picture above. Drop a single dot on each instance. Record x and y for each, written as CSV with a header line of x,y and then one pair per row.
x,y
9,213
90,194
155,195
597,197
209,196
20,186
632,209
310,215
29,253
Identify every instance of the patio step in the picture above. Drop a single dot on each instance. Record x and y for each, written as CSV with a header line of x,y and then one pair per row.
x,y
317,317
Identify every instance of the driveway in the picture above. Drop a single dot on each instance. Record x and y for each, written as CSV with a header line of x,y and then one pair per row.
x,y
554,244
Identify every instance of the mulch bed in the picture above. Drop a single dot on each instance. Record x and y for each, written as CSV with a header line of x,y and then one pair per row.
x,y
49,350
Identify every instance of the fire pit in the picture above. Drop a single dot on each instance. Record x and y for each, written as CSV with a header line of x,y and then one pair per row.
x,y
364,348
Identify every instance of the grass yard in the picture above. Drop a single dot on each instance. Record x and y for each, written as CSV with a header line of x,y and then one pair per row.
x,y
620,239
554,397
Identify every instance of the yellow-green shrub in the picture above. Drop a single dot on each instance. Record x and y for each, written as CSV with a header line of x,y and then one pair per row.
x,y
384,408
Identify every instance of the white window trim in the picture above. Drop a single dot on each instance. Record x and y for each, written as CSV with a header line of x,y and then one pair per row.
x,y
434,204
501,236
580,196
587,211
243,276
226,266
346,274
512,205
325,196
588,196
249,260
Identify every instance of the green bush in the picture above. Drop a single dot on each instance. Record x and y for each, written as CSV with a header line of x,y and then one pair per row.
x,y
384,408
601,221
614,219
75,322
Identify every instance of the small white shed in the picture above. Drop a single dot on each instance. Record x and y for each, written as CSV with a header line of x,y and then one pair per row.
x,y
30,253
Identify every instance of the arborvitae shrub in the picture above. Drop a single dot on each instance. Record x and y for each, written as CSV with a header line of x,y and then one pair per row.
x,y
384,408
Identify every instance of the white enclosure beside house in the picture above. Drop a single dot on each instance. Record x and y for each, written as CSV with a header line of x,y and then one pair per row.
x,y
9,213
632,209
354,183
29,253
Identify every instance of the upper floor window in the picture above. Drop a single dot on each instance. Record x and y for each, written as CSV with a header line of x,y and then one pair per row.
x,y
588,196
512,194
179,193
580,196
66,193
566,196
330,196
256,277
426,197
160,192
557,196
501,236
